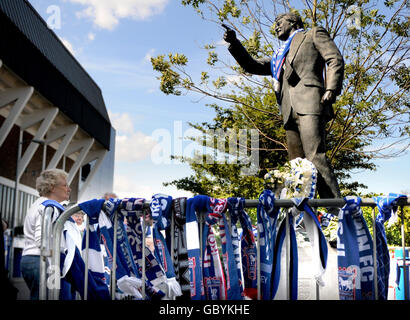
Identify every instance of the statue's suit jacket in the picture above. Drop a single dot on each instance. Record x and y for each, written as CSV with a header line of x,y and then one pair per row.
x,y
302,82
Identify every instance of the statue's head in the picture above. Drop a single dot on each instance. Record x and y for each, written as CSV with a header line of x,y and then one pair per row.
x,y
286,23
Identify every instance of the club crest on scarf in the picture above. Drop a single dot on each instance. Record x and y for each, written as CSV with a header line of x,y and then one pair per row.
x,y
355,253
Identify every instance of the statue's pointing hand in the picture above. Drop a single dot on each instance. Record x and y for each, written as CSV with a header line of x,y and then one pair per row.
x,y
230,35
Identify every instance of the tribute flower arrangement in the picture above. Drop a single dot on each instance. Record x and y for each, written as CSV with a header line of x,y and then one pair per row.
x,y
297,178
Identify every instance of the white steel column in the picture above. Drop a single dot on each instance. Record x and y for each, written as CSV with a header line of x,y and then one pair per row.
x,y
84,145
68,132
21,96
99,156
46,117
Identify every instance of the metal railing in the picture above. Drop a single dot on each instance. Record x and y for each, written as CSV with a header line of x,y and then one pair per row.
x,y
52,233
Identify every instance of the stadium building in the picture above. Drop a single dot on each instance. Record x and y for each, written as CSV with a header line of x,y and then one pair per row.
x,y
52,115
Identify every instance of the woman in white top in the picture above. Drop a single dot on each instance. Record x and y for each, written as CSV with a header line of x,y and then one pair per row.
x,y
51,185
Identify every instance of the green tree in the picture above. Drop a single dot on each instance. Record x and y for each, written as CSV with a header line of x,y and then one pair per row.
x,y
372,113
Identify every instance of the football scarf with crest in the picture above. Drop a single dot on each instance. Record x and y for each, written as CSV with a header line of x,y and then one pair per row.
x,y
195,205
232,286
213,276
97,288
355,253
267,216
161,215
180,254
236,207
386,205
155,281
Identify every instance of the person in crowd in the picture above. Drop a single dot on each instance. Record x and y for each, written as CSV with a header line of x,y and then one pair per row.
x,y
79,221
51,185
109,195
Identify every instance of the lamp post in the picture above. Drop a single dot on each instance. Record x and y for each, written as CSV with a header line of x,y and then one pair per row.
x,y
15,201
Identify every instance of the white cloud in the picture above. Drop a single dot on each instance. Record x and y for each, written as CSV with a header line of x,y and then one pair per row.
x,y
107,13
130,145
134,147
148,55
122,122
68,45
91,36
126,188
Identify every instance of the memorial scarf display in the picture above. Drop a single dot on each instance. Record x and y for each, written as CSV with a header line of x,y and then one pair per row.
x,y
161,214
155,281
181,265
386,205
267,216
195,205
355,253
278,59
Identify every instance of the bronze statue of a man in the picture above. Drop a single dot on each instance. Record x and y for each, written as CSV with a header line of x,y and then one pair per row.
x,y
305,99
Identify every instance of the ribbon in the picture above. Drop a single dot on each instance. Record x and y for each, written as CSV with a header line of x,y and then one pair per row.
x,y
355,253
267,216
386,205
316,238
161,211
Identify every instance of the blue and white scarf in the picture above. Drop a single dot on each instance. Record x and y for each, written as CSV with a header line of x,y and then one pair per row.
x,y
286,231
386,205
232,278
155,282
197,204
213,276
267,216
278,58
75,272
180,253
236,207
355,253
161,214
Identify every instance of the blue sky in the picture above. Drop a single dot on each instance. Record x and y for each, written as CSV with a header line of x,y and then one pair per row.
x,y
113,41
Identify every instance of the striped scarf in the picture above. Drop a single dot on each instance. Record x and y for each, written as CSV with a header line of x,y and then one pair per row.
x,y
267,216
97,288
161,214
155,281
195,205
181,265
213,276
386,205
278,59
355,253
